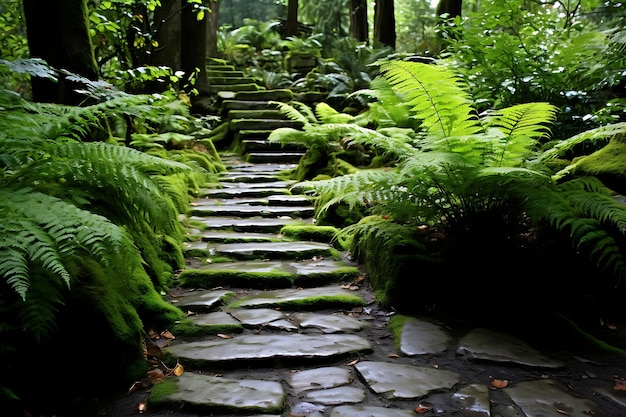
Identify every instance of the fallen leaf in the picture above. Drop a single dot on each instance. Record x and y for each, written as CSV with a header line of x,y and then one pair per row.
x,y
354,362
153,334
152,349
179,369
155,375
359,279
354,288
620,385
224,336
611,326
558,410
393,355
423,407
137,385
345,286
142,407
499,383
167,335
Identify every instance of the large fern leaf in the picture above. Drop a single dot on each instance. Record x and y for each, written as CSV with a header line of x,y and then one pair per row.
x,y
436,96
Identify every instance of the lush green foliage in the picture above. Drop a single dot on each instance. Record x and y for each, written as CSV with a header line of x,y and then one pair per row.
x,y
458,173
572,58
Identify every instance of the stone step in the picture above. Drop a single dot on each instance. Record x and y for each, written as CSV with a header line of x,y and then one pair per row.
x,y
269,274
223,73
271,200
263,250
228,105
270,168
275,348
250,146
282,94
212,394
224,236
271,184
263,124
302,299
230,176
259,134
270,114
220,67
244,192
216,88
261,225
230,80
275,157
241,210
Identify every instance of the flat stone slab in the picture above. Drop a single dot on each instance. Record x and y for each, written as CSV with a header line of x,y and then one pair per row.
x,y
319,378
369,411
242,210
330,323
545,398
276,297
292,250
266,225
256,347
474,399
247,177
256,317
260,168
336,396
215,318
271,184
203,299
485,344
224,236
397,381
421,337
243,192
209,392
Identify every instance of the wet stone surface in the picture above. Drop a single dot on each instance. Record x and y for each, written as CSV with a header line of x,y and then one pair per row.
x,y
296,354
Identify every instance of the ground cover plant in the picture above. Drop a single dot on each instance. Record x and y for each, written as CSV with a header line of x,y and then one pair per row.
x,y
475,203
90,237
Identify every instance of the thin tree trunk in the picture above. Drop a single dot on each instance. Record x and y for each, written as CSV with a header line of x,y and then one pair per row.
x,y
358,20
167,25
446,10
291,28
58,32
194,46
213,26
384,24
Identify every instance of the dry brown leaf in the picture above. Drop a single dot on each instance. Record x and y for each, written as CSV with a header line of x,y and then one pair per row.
x,y
359,279
620,385
224,336
155,375
153,334
354,362
499,383
393,355
423,407
137,385
142,407
167,335
345,286
354,288
153,349
179,369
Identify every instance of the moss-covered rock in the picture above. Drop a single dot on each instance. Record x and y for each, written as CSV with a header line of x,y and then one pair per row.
x,y
607,164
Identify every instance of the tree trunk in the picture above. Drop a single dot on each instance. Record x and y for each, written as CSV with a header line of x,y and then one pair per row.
x,y
58,32
194,46
167,27
446,10
291,28
213,26
384,24
358,20
450,8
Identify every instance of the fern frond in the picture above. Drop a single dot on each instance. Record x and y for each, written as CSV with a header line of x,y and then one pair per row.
x,y
436,97
593,136
524,127
47,232
326,114
296,111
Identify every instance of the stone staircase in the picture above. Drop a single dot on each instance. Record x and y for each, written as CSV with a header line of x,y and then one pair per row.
x,y
281,322
279,326
250,112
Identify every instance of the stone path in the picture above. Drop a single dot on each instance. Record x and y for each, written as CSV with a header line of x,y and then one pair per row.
x,y
291,328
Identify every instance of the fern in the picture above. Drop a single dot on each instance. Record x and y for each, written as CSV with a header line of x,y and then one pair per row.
x,y
435,96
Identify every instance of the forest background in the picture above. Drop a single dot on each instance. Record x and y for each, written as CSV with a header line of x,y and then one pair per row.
x,y
106,135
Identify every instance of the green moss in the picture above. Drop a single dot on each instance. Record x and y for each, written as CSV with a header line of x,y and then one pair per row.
x,y
313,303
608,164
162,390
395,326
213,278
342,274
188,329
309,232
